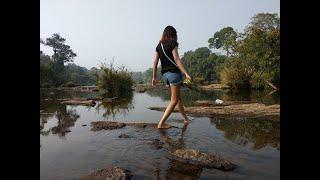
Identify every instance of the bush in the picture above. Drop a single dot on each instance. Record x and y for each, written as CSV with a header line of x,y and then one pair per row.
x,y
114,82
46,85
70,84
236,75
199,80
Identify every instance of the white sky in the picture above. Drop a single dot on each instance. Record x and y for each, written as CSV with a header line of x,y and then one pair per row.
x,y
129,30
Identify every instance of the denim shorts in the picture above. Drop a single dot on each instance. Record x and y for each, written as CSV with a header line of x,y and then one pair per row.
x,y
171,78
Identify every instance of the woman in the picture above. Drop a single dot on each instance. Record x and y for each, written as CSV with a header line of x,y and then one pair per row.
x,y
170,72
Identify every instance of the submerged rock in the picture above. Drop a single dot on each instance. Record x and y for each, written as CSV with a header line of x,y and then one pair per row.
x,y
202,159
107,125
157,144
123,136
79,102
111,173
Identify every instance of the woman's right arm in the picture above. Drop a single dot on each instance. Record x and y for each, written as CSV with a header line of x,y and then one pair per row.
x,y
178,62
155,66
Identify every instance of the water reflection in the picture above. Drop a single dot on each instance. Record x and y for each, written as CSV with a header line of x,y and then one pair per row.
x,y
65,119
119,106
189,97
176,169
243,131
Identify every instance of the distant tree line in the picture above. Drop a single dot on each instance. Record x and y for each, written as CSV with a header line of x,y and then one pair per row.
x,y
59,70
251,60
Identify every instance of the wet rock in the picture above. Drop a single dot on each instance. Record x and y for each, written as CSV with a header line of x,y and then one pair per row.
x,y
207,103
65,131
95,98
116,173
109,100
63,99
79,102
254,110
123,136
180,170
214,87
202,159
157,143
107,125
140,89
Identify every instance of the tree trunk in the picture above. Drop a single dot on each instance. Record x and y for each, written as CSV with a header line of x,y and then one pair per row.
x,y
271,85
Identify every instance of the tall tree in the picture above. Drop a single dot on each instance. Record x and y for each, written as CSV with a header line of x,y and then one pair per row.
x,y
225,39
61,51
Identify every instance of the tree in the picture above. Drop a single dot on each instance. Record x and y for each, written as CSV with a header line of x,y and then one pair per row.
x,y
257,60
61,51
225,39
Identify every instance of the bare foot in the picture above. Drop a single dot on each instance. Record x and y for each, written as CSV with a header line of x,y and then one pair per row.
x,y
163,126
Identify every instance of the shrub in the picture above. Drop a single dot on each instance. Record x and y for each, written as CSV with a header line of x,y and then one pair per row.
x,y
70,84
114,82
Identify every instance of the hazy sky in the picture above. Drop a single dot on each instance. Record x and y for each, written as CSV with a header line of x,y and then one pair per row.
x,y
129,30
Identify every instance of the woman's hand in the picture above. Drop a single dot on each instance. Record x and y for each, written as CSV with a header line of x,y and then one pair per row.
x,y
188,76
154,82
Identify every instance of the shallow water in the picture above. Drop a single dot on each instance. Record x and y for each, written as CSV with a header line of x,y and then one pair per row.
x,y
68,149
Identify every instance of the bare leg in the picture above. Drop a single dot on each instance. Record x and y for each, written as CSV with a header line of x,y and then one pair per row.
x,y
175,96
181,110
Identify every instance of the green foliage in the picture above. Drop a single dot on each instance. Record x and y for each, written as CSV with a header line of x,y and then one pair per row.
x,y
70,84
202,63
147,75
256,58
54,72
225,39
114,81
61,51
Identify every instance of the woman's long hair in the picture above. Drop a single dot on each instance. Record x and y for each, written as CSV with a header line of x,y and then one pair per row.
x,y
169,33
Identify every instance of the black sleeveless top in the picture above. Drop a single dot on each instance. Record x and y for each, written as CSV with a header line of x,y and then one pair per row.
x,y
166,64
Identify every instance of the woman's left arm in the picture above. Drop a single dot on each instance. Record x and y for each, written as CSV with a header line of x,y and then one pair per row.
x,y
155,66
178,62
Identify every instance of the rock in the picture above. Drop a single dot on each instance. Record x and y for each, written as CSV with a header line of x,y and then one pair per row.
x,y
84,125
110,173
95,98
157,143
214,87
109,100
123,136
250,110
140,89
226,103
79,102
107,125
66,131
63,99
202,159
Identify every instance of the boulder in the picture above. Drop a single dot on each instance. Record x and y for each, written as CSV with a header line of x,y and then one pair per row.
x,y
107,125
204,159
123,136
110,173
